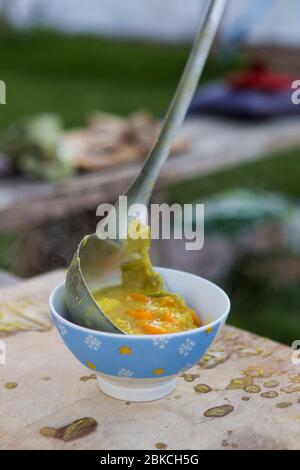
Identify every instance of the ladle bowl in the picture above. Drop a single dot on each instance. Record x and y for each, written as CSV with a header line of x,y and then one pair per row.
x,y
84,277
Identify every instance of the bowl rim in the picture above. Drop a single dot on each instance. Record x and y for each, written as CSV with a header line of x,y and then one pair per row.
x,y
144,337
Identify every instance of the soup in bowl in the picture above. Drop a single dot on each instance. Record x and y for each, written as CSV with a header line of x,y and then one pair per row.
x,y
145,367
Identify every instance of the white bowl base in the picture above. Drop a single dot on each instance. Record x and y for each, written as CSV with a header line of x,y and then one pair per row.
x,y
142,390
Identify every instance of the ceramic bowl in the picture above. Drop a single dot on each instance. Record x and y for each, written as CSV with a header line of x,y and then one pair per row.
x,y
145,367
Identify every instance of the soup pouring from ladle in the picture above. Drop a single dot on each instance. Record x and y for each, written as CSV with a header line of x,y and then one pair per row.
x,y
97,262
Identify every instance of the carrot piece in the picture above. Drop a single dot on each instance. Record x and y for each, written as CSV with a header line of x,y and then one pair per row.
x,y
169,317
195,318
136,297
167,302
141,314
153,329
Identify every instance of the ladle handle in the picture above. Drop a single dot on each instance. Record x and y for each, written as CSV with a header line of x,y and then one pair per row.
x,y
141,189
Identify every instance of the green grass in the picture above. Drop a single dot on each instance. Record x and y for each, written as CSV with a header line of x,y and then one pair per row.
x,y
74,75
268,311
263,303
8,251
279,172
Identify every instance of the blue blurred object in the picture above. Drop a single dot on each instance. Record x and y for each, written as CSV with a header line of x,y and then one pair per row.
x,y
222,99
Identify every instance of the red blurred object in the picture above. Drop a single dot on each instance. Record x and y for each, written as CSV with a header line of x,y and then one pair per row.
x,y
259,77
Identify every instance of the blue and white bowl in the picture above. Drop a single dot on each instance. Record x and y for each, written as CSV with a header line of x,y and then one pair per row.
x,y
145,367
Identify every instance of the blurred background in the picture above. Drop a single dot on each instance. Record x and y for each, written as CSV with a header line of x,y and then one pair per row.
x,y
86,86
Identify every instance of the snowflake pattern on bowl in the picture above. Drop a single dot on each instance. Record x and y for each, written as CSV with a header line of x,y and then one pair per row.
x,y
186,347
129,358
160,343
61,328
125,373
92,342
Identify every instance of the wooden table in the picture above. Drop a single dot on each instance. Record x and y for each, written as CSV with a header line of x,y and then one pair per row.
x,y
250,379
214,144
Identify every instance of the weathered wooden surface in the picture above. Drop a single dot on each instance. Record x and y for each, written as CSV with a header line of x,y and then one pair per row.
x,y
49,392
24,306
215,144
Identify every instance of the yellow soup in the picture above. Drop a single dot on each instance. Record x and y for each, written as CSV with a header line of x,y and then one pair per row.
x,y
141,304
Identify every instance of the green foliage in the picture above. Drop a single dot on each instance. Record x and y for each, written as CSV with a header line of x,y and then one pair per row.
x,y
32,144
74,75
278,173
8,251
265,308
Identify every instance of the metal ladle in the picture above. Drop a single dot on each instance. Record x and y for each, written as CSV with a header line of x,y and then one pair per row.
x,y
96,262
